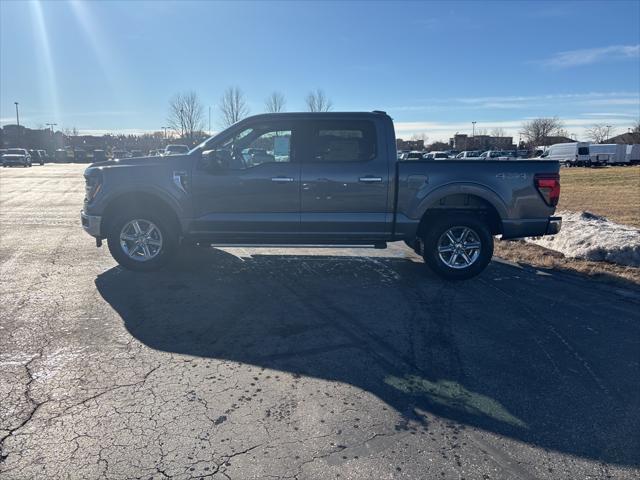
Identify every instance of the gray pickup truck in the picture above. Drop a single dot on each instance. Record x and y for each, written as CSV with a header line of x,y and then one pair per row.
x,y
316,179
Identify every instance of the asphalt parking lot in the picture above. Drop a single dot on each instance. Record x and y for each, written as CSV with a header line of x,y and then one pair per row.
x,y
299,363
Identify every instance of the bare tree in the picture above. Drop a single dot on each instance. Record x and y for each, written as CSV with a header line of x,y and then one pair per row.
x,y
537,130
420,136
599,132
636,127
233,106
186,114
318,102
275,103
481,132
498,132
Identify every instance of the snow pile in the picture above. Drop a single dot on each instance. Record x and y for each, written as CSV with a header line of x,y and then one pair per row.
x,y
588,236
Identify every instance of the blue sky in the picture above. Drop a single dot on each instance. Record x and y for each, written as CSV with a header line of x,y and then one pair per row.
x,y
434,67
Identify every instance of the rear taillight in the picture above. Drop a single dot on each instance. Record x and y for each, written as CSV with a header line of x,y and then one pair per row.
x,y
548,184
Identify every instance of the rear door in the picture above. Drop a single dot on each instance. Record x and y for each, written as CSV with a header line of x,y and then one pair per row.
x,y
344,180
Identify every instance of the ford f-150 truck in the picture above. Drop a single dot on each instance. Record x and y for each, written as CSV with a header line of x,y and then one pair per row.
x,y
320,179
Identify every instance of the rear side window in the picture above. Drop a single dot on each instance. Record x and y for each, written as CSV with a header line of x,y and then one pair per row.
x,y
583,151
343,141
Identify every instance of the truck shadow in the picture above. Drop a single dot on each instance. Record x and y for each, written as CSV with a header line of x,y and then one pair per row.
x,y
505,352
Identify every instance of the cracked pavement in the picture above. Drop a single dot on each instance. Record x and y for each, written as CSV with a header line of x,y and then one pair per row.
x,y
299,363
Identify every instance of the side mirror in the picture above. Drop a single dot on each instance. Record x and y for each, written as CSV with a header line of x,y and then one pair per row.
x,y
215,161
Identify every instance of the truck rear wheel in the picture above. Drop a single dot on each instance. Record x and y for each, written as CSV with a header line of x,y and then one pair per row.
x,y
457,247
141,241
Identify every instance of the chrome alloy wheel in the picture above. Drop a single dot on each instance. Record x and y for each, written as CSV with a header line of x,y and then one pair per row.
x,y
141,240
459,247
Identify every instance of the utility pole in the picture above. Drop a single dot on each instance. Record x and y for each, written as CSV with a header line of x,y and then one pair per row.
x,y
17,115
474,129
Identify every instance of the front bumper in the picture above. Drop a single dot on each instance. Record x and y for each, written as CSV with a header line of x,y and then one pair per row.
x,y
91,224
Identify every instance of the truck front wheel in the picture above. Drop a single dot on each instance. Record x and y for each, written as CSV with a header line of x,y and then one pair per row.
x,y
457,247
141,241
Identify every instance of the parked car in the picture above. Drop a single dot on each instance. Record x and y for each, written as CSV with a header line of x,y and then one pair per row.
x,y
573,154
495,155
176,150
35,157
343,187
99,155
16,156
121,154
136,153
469,154
60,155
413,155
436,156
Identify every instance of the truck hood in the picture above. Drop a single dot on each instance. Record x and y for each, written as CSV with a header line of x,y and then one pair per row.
x,y
137,161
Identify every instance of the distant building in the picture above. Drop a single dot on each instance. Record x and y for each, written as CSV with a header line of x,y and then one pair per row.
x,y
462,141
19,136
630,138
409,144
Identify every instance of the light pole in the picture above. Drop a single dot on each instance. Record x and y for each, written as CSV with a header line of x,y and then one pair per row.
x,y
17,115
474,129
608,131
209,119
51,125
165,132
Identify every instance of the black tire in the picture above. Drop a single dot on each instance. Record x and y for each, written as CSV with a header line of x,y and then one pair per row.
x,y
479,232
166,253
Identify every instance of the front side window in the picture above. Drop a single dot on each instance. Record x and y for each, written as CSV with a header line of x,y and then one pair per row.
x,y
255,146
583,151
343,141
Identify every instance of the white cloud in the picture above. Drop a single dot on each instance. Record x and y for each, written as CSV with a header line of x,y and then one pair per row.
x,y
522,101
610,114
587,56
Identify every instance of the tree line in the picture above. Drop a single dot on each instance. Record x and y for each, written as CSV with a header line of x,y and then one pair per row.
x,y
186,112
186,116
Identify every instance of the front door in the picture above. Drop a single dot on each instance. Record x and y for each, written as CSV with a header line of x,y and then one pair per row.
x,y
256,192
345,181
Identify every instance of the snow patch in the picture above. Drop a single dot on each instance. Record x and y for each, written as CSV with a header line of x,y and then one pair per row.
x,y
592,237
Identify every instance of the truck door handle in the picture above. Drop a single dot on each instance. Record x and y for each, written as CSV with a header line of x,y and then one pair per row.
x,y
370,179
281,179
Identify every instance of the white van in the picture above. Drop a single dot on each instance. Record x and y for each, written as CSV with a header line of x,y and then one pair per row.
x,y
608,154
575,154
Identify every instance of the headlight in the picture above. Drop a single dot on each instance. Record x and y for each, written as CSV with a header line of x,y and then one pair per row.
x,y
93,185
